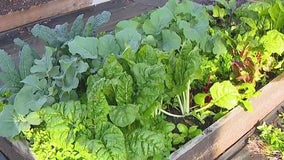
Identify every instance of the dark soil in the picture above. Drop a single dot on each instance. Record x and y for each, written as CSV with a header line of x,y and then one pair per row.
x,y
8,6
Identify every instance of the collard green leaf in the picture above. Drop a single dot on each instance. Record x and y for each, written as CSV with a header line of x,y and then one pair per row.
x,y
171,40
224,94
34,81
143,144
28,100
86,47
44,66
107,45
123,116
126,24
159,19
9,75
33,118
7,122
128,36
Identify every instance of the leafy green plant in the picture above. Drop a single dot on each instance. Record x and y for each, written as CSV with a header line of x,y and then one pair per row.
x,y
273,136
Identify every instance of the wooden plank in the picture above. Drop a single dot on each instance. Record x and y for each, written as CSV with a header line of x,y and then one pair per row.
x,y
35,13
12,152
225,132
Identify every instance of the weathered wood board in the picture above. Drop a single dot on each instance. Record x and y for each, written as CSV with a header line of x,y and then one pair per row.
x,y
52,8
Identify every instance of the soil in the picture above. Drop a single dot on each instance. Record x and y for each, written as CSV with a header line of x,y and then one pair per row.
x,y
8,6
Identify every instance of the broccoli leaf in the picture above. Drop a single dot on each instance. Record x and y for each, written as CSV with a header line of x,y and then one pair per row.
x,y
86,47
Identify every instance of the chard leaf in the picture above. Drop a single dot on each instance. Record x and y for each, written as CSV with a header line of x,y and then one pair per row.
x,y
124,90
273,42
9,74
107,45
97,100
276,12
143,144
224,95
109,142
149,77
26,61
159,19
219,46
171,40
86,47
128,36
123,116
147,54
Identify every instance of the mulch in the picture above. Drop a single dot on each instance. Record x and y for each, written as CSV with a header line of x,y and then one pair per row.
x,y
8,6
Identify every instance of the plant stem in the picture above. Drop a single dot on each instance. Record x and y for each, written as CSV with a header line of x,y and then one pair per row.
x,y
205,107
171,114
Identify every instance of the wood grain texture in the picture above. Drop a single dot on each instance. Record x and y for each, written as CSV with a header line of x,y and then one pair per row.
x,y
12,152
35,13
225,132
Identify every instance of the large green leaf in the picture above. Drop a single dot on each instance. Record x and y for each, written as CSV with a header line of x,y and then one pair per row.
x,y
28,99
171,40
276,13
8,123
225,95
108,45
273,42
128,37
142,144
123,116
108,142
86,47
159,19
9,74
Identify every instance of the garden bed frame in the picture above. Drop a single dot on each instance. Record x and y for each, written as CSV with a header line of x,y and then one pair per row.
x,y
35,13
214,141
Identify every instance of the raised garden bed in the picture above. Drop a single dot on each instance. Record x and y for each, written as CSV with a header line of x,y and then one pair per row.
x,y
142,82
31,13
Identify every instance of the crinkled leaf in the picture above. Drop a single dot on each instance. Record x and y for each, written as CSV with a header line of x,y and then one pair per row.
x,y
273,42
123,116
26,61
224,94
109,142
143,144
9,74
86,47
93,23
46,34
171,40
276,13
77,27
124,90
